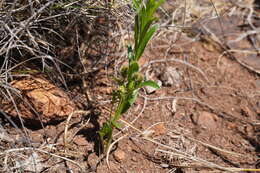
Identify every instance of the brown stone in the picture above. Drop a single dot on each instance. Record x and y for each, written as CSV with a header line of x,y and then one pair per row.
x,y
159,129
40,101
80,140
208,120
119,155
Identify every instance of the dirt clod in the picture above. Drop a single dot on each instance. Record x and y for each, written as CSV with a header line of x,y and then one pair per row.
x,y
208,120
81,141
119,155
159,129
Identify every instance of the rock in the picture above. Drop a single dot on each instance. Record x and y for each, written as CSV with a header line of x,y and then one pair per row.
x,y
134,159
208,120
40,101
159,129
119,155
156,130
170,77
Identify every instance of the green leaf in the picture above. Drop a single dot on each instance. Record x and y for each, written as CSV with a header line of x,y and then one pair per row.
x,y
143,21
147,25
105,134
137,4
116,124
130,80
142,35
133,97
144,41
129,100
137,31
151,84
153,6
125,106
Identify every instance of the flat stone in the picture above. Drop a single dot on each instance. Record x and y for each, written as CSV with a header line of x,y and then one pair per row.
x,y
47,102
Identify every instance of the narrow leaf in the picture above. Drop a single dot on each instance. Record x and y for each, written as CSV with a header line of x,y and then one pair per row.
x,y
145,41
133,97
153,7
137,31
148,24
116,124
129,101
151,84
125,106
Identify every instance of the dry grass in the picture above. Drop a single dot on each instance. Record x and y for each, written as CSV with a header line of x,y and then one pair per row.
x,y
31,32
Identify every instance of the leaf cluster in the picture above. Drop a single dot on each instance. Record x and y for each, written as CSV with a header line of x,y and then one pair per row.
x,y
144,28
131,80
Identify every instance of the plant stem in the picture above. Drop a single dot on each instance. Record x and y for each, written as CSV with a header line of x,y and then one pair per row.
x,y
131,80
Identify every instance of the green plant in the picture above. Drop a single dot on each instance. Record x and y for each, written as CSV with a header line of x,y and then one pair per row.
x,y
131,80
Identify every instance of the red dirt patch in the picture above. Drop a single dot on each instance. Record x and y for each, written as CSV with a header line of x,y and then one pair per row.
x,y
205,117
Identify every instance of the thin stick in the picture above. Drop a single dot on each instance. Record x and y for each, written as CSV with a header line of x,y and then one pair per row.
x,y
67,125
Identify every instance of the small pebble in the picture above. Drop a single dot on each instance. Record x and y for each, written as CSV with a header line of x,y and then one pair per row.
x,y
159,129
119,155
164,165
